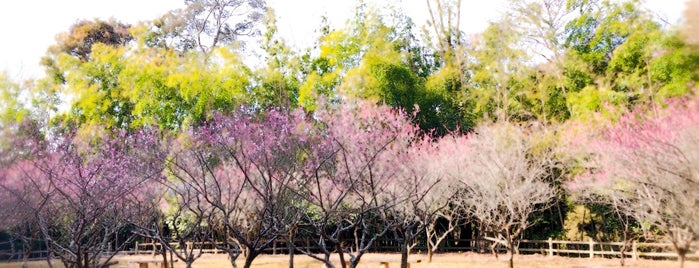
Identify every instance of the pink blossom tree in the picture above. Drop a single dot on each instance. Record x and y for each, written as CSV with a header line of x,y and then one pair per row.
x,y
235,173
16,213
83,191
352,193
504,180
648,163
411,184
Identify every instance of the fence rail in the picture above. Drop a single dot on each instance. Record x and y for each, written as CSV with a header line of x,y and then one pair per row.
x,y
589,249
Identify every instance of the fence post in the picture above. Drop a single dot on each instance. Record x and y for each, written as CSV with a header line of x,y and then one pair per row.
x,y
308,244
550,247
136,249
592,248
634,249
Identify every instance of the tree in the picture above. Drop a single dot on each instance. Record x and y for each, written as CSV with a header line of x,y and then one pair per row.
x,y
279,80
412,190
629,52
83,191
207,24
441,203
235,172
504,181
542,25
445,20
12,114
175,218
647,162
77,43
172,91
498,68
350,191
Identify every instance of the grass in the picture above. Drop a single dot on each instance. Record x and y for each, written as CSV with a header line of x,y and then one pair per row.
x,y
450,260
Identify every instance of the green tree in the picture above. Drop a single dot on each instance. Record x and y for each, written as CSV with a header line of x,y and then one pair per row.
x,y
497,88
78,42
279,80
625,56
172,90
376,57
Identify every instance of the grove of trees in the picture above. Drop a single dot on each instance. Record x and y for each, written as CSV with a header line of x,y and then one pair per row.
x,y
164,130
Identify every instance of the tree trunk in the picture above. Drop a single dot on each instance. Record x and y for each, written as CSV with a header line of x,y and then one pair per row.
x,y
290,245
26,250
430,252
624,247
291,253
494,250
163,252
48,254
233,264
342,255
511,259
252,254
681,255
404,254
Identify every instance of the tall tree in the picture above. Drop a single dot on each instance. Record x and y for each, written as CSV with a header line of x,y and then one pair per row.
x,y
205,25
78,42
498,69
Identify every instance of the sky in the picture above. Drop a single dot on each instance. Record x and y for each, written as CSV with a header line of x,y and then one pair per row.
x,y
29,27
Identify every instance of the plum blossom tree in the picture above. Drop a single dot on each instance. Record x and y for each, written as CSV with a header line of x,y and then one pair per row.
x,y
82,191
648,163
504,181
412,189
352,192
442,202
16,216
235,172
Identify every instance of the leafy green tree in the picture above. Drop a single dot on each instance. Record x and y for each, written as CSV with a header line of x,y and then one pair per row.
x,y
498,68
11,108
171,90
279,80
78,42
132,86
12,114
376,57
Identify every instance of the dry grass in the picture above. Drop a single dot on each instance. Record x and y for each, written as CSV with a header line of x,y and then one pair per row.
x,y
453,260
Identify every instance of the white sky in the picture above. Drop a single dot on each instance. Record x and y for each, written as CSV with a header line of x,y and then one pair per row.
x,y
28,27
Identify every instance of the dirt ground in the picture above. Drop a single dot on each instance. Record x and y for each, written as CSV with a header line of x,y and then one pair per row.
x,y
461,260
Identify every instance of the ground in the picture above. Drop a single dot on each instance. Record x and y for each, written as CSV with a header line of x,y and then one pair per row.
x,y
461,260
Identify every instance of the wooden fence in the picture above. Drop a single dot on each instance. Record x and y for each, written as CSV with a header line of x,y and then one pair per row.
x,y
587,249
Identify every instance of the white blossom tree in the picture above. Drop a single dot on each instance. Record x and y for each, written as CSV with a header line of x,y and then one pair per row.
x,y
505,180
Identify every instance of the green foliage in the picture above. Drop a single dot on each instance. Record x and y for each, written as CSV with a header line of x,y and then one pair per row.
x,y
498,72
591,100
279,81
11,108
126,87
